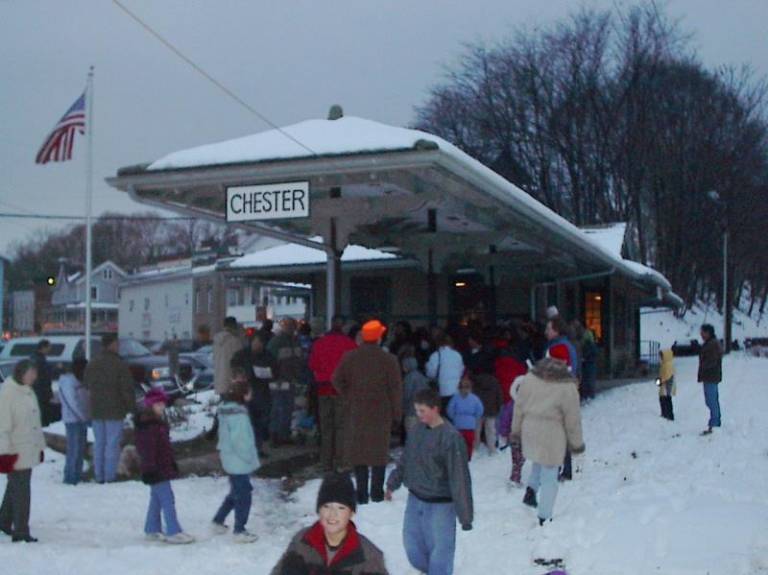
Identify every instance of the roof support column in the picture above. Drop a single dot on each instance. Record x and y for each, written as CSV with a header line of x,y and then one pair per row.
x,y
431,275
333,268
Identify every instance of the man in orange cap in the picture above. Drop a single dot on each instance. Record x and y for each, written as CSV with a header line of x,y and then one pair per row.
x,y
368,380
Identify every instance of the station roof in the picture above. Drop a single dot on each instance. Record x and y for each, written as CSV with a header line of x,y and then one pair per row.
x,y
388,179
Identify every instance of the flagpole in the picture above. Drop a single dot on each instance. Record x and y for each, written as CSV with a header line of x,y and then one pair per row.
x,y
88,210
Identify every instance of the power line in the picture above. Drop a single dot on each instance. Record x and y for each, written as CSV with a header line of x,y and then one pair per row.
x,y
98,219
210,78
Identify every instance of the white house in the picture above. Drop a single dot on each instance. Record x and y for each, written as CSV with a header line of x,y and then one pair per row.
x,y
157,304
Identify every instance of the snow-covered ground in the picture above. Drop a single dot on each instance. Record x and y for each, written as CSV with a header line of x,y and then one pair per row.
x,y
652,497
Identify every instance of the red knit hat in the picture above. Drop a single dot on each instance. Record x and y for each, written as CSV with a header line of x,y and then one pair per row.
x,y
560,352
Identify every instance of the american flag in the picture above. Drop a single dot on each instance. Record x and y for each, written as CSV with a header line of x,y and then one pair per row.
x,y
58,145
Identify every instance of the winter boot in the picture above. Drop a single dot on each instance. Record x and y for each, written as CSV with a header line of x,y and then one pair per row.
x,y
530,498
23,539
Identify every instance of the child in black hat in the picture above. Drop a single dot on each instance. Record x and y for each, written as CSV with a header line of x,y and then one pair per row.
x,y
333,543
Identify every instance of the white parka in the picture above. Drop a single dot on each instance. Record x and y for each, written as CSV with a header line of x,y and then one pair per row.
x,y
21,431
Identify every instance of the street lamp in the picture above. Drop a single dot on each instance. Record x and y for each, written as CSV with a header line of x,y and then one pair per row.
x,y
715,197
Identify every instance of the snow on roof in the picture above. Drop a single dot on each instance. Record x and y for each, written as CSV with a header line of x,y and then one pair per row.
x,y
347,135
609,236
293,254
352,135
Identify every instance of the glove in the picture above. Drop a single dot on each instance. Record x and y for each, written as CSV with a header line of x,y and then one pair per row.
x,y
151,477
7,462
467,527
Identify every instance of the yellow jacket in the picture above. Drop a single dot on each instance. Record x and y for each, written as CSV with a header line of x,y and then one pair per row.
x,y
667,373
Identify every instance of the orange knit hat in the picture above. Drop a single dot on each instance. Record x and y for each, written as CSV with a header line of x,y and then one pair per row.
x,y
373,330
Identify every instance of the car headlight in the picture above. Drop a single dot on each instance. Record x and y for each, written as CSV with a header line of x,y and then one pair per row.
x,y
161,373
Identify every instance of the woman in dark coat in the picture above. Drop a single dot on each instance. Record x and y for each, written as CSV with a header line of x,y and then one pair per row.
x,y
332,546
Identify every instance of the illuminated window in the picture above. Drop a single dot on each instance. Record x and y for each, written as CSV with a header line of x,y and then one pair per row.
x,y
593,313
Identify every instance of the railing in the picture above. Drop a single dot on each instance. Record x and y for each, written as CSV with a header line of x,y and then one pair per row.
x,y
649,352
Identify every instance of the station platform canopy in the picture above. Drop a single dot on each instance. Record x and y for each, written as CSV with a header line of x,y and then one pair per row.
x,y
396,190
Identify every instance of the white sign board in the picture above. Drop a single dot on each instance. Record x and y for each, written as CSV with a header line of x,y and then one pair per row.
x,y
268,202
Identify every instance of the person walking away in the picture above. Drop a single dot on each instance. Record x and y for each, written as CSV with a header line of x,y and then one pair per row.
x,y
332,545
507,367
466,410
710,375
368,380
434,469
259,367
226,344
547,420
289,360
110,384
323,360
239,457
158,469
446,367
43,384
21,449
266,331
76,414
666,383
413,382
560,347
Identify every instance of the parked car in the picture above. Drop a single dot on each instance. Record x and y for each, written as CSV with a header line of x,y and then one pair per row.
x,y
148,370
203,367
691,348
6,370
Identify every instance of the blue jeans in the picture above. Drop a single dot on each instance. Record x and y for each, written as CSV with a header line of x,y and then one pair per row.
x,y
543,480
281,413
107,434
161,500
712,399
429,536
239,498
77,434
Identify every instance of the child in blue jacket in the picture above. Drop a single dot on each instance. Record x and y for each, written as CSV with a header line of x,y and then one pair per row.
x,y
239,456
465,409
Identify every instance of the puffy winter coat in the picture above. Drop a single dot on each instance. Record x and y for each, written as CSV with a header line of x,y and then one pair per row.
x,y
21,431
547,416
75,400
307,555
368,380
465,411
237,445
153,442
226,344
325,357
508,368
110,384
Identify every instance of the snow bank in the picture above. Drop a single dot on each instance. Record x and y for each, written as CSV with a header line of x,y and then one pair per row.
x,y
651,497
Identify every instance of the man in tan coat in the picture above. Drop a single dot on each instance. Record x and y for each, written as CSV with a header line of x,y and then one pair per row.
x,y
369,383
226,344
547,420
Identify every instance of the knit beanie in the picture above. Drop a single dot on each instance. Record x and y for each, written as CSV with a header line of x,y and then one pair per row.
x,y
155,395
337,488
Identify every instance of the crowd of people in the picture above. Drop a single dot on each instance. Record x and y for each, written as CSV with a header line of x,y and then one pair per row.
x,y
445,392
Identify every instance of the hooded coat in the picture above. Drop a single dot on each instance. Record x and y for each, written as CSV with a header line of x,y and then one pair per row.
x,y
21,431
547,416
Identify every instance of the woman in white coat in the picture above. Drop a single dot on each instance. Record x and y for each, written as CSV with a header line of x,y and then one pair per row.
x,y
21,449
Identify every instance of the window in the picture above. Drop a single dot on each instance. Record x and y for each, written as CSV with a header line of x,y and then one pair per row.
x,y
370,295
166,300
186,298
94,293
199,301
593,313
107,274
233,296
130,305
210,300
146,304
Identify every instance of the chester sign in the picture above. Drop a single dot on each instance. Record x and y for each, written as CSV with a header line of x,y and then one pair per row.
x,y
268,202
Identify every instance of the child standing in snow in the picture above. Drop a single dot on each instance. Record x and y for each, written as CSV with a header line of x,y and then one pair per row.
x,y
239,457
158,468
666,383
465,409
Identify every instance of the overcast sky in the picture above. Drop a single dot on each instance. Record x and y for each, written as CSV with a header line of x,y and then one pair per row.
x,y
290,60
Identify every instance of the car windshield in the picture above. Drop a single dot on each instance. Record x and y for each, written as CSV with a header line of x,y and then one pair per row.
x,y
6,370
132,348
